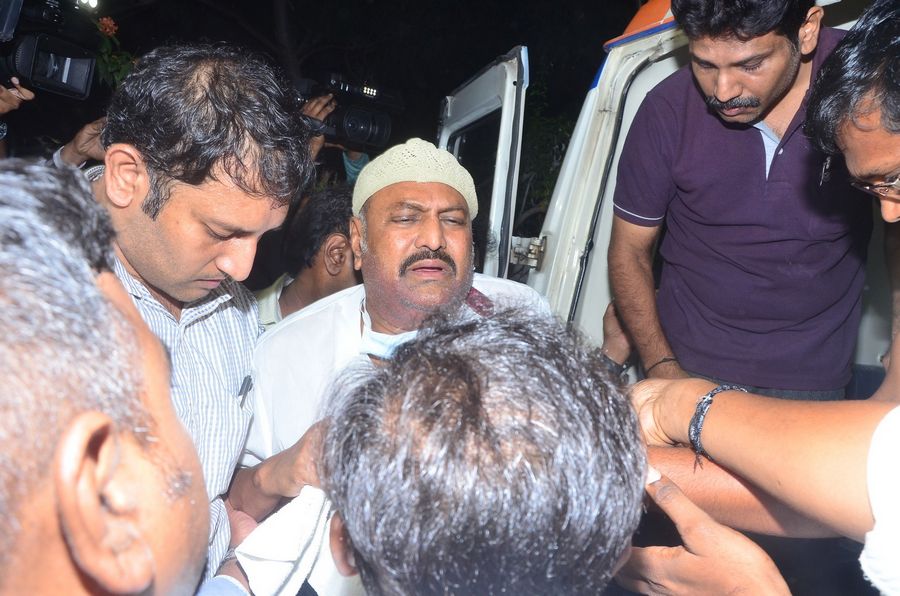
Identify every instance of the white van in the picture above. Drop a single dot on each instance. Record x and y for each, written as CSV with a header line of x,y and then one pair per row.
x,y
567,261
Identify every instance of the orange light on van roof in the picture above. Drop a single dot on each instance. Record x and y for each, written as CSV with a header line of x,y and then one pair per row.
x,y
652,15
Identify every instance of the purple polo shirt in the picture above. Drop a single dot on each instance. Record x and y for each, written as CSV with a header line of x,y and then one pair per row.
x,y
762,278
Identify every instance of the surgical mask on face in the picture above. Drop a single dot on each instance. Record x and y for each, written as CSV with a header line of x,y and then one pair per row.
x,y
380,345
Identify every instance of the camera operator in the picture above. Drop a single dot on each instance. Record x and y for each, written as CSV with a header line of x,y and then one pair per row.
x,y
320,108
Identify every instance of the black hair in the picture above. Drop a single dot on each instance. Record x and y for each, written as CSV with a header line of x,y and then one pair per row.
x,y
323,213
742,19
864,68
489,456
199,111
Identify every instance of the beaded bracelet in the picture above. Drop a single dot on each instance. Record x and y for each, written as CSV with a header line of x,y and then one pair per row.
x,y
696,425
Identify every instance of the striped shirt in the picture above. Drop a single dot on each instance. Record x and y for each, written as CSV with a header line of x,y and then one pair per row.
x,y
211,346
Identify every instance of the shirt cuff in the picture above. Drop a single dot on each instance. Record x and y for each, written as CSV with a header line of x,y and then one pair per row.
x,y
58,160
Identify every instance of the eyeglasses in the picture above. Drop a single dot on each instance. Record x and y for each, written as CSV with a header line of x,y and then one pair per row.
x,y
887,188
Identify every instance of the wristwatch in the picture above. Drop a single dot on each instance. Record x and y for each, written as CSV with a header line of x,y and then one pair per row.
x,y
616,369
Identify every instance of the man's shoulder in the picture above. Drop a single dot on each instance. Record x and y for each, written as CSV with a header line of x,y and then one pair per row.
x,y
682,78
489,285
675,89
267,301
829,38
506,291
671,105
324,311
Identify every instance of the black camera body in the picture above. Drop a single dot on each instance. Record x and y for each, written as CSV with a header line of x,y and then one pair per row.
x,y
362,117
44,44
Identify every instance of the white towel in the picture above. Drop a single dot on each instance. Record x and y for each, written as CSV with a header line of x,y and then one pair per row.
x,y
292,546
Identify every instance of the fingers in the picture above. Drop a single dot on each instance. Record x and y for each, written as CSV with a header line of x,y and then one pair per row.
x,y
90,131
23,93
616,344
715,559
319,107
97,125
644,396
662,570
315,146
694,525
11,99
88,139
646,567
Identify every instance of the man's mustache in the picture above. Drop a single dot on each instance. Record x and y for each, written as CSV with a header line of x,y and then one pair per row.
x,y
427,254
737,102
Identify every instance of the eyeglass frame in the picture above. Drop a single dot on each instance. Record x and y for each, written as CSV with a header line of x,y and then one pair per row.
x,y
888,188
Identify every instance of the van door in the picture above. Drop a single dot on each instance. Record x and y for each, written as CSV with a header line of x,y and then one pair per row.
x,y
575,235
481,124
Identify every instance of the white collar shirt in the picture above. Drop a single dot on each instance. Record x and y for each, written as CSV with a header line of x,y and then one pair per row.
x,y
297,358
211,347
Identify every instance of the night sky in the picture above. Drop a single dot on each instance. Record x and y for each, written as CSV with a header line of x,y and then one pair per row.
x,y
421,50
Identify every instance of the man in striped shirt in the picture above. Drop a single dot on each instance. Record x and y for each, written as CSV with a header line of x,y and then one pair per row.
x,y
204,153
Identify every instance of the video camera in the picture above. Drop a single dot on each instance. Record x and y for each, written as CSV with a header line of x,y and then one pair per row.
x,y
42,43
362,115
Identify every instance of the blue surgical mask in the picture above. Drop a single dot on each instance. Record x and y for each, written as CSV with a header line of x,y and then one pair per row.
x,y
381,345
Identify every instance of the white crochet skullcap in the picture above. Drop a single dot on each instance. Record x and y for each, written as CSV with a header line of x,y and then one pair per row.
x,y
414,161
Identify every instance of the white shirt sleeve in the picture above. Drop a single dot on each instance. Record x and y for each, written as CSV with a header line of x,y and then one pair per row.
x,y
880,559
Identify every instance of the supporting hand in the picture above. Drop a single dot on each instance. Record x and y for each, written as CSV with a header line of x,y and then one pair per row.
x,y
714,559
616,344
85,145
318,108
664,408
257,491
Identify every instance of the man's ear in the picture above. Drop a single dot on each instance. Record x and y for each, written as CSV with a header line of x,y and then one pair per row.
x,y
341,547
356,242
97,506
334,252
125,177
808,37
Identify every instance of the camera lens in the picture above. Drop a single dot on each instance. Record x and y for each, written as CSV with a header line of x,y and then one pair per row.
x,y
361,126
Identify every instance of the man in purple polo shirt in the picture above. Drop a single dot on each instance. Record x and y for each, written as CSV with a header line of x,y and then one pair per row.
x,y
763,255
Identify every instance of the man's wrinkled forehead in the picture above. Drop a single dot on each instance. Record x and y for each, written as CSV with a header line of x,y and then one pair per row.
x,y
871,150
735,49
421,197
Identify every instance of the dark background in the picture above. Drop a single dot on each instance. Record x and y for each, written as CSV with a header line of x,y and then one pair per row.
x,y
421,50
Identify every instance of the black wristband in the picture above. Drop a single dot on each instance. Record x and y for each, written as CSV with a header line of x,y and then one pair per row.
x,y
661,361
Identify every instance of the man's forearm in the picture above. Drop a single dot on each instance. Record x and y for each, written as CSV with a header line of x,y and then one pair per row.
x,y
810,455
631,276
729,499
